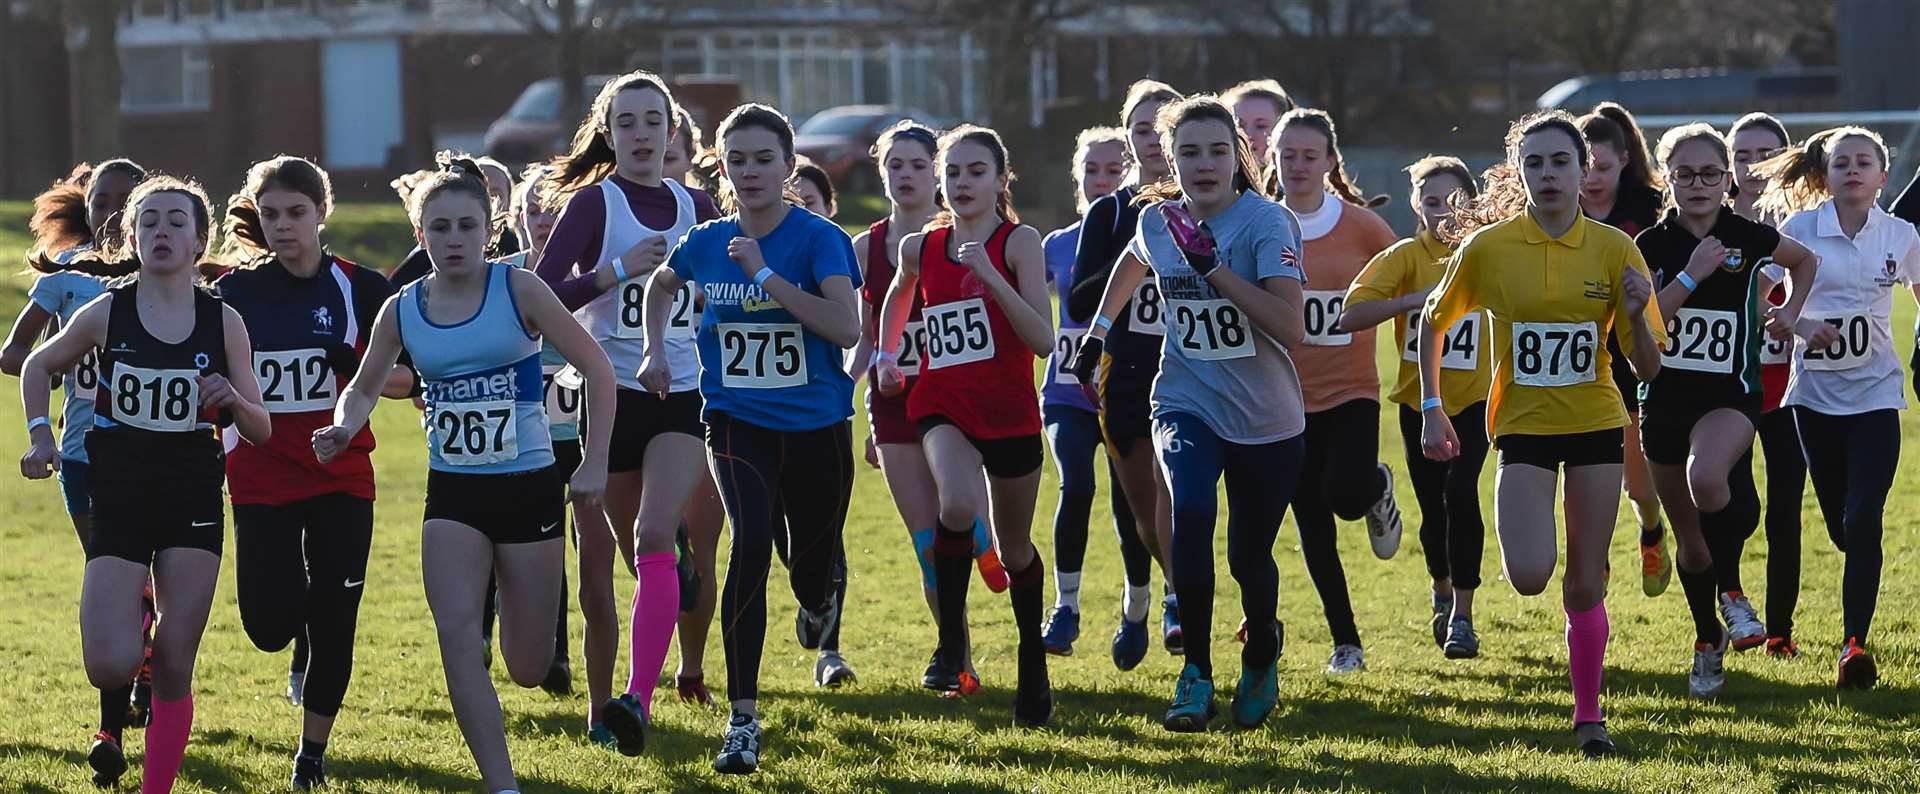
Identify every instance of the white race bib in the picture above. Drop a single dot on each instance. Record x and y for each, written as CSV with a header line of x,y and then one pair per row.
x,y
1459,346
1853,348
762,355
683,322
1323,317
1211,330
84,381
562,393
958,333
1775,351
1701,340
474,433
1065,347
913,349
629,309
1145,308
161,400
295,381
1554,354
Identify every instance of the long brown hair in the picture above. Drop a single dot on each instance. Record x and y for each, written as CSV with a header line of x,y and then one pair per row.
x,y
590,158
987,137
115,252
1338,182
59,221
1196,108
1611,124
246,244
1797,177
1502,194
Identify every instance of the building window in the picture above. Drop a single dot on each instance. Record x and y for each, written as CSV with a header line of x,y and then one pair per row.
x,y
165,79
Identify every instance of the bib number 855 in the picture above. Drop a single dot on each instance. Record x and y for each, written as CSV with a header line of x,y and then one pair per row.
x,y
1553,354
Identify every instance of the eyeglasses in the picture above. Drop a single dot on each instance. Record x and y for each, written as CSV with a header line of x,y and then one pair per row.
x,y
1708,177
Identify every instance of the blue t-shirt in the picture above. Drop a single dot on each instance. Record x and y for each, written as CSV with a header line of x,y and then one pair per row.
x,y
61,294
758,364
1062,388
1214,363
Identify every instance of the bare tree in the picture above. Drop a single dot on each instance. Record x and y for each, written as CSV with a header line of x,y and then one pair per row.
x,y
571,28
1319,46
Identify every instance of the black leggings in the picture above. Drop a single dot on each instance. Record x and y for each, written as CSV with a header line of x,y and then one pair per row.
x,y
1851,460
830,642
1341,477
1075,437
1452,534
1260,481
1786,483
301,569
801,480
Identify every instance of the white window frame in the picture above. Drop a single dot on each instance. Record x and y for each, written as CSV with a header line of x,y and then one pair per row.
x,y
192,59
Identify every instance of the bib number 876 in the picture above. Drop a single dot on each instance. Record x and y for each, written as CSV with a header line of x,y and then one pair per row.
x,y
1553,354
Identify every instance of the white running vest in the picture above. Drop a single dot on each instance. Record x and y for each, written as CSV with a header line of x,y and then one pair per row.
x,y
614,318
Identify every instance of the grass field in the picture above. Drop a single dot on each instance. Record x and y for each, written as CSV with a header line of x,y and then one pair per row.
x,y
1415,721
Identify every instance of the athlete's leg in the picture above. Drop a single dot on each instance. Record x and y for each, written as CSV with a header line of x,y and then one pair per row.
x,y
1313,515
1260,480
918,502
745,462
962,488
110,621
1074,436
529,580
816,484
270,572
1523,520
1429,478
705,517
1867,448
183,585
1638,478
1692,559
1592,505
454,562
594,542
672,472
339,537
1194,459
1466,530
1786,485
1720,478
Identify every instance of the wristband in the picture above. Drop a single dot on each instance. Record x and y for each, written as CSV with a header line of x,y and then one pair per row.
x,y
1686,281
619,270
760,278
38,421
1103,321
883,355
1429,404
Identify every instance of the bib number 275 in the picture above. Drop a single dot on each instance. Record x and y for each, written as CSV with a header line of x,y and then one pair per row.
x,y
762,355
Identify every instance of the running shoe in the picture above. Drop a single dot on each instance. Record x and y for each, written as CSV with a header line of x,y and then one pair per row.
x,y
813,625
1781,646
1656,567
1594,741
599,736
1033,701
1442,612
1063,627
1256,695
1383,520
1192,704
628,723
683,568
831,671
1170,634
140,708
1857,670
987,558
740,752
969,684
944,671
296,688
106,760
1346,659
1129,643
1743,623
308,773
1462,641
559,680
693,689
1709,674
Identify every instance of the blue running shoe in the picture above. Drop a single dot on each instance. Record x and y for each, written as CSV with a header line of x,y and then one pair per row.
x,y
623,717
600,737
1192,703
1129,644
1063,627
1170,626
1256,695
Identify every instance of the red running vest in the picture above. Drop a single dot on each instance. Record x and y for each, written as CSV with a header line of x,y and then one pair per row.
x,y
978,373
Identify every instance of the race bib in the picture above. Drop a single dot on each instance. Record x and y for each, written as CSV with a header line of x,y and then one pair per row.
x,y
84,381
630,305
474,433
1145,308
958,333
1851,349
295,381
1459,346
1701,340
683,322
1553,354
1775,351
1065,347
1211,330
913,348
161,400
1323,317
762,355
560,386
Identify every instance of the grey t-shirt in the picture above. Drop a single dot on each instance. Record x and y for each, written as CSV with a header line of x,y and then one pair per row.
x,y
1214,363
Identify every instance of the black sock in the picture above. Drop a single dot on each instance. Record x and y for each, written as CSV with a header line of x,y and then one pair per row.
x,y
952,572
113,710
1263,647
312,749
1027,597
1725,544
1652,534
1703,602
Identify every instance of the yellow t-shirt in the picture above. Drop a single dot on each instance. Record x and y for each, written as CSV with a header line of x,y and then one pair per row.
x,y
1552,301
1410,266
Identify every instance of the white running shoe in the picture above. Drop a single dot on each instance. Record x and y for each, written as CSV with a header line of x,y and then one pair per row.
x,y
1709,674
1346,659
1383,520
740,752
1743,623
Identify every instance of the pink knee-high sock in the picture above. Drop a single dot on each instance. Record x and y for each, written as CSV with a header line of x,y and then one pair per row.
x,y
1586,655
166,744
656,609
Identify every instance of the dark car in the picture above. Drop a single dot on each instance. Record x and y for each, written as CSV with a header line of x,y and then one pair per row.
x,y
838,139
532,129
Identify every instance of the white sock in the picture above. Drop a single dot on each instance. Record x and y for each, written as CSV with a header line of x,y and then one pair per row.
x,y
1066,588
1136,603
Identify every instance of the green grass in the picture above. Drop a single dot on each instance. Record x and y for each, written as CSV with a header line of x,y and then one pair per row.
x,y
1414,721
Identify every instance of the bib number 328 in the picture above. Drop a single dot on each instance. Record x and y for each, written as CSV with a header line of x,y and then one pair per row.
x,y
1554,354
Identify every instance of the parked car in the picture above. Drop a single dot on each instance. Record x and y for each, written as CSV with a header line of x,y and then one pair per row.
x,y
532,128
1702,91
838,139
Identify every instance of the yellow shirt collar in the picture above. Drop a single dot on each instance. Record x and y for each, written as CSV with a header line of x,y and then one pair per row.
x,y
1432,245
1575,236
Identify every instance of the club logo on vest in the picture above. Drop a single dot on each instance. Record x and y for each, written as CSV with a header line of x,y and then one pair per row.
x,y
1735,261
322,321
1891,265
1599,290
202,360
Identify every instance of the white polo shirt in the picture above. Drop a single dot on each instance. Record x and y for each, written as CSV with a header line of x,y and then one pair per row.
x,y
1853,291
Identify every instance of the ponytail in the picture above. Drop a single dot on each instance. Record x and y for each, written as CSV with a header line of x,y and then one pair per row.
x,y
590,158
457,172
60,215
1797,178
1338,182
1611,124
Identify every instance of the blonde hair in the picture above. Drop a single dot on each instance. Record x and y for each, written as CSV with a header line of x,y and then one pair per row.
x,y
1084,143
1797,178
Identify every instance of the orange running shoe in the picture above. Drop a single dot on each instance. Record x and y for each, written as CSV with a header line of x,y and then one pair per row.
x,y
1656,567
987,557
1782,647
